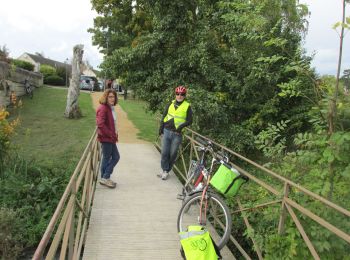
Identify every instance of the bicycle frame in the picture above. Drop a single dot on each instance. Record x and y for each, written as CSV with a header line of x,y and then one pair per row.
x,y
28,88
204,174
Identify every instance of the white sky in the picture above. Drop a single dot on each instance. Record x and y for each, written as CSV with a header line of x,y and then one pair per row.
x,y
322,39
53,27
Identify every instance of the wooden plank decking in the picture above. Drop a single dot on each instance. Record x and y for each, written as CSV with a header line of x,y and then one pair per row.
x,y
137,220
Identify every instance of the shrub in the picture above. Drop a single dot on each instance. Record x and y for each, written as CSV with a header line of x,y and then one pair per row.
x,y
6,131
47,70
54,80
4,54
33,190
23,64
10,235
61,71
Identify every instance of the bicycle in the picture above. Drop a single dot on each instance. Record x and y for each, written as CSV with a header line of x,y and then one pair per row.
x,y
201,204
28,88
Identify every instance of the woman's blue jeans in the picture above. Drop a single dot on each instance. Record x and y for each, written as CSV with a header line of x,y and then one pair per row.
x,y
110,158
170,146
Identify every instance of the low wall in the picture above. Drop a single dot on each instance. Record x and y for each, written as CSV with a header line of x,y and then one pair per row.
x,y
14,81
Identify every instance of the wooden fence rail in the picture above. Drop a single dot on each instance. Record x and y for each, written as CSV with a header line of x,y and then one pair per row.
x,y
72,213
72,216
282,196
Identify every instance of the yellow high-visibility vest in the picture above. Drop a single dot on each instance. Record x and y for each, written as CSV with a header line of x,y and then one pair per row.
x,y
179,114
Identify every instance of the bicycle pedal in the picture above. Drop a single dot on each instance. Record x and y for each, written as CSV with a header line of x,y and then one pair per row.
x,y
180,196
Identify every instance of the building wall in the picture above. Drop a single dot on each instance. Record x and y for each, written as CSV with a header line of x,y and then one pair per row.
x,y
26,57
89,72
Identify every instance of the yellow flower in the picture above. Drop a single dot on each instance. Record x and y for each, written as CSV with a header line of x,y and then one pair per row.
x,y
3,114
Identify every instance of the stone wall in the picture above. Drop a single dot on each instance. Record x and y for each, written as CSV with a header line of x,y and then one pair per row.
x,y
15,78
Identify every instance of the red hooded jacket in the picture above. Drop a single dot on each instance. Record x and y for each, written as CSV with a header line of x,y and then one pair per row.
x,y
105,125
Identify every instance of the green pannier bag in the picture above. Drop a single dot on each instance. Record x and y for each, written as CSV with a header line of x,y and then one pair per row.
x,y
197,244
227,180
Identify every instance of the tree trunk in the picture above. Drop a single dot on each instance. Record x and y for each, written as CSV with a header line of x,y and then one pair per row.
x,y
332,114
72,108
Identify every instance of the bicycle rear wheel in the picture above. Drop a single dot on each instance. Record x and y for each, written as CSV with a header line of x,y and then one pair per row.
x,y
218,217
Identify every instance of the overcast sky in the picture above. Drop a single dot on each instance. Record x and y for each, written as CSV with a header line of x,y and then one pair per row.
x,y
53,27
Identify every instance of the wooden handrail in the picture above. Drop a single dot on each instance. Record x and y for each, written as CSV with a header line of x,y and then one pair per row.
x,y
277,176
72,236
66,224
282,196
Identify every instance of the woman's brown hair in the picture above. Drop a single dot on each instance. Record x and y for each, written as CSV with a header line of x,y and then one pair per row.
x,y
103,99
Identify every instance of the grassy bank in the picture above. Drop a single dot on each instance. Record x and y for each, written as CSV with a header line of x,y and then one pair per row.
x,y
47,148
143,120
45,134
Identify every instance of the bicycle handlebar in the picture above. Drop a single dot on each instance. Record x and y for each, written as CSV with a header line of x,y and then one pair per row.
x,y
219,156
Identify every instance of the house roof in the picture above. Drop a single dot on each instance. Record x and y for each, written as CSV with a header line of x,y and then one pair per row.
x,y
43,60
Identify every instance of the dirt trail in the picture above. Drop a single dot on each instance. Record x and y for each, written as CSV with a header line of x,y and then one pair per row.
x,y
127,132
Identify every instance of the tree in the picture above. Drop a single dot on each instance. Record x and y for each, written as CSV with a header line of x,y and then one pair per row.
x,y
4,54
332,112
248,76
227,52
72,108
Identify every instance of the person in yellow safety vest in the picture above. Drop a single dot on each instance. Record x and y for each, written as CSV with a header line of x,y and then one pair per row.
x,y
176,116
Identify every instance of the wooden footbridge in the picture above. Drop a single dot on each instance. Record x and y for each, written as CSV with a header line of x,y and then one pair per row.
x,y
137,220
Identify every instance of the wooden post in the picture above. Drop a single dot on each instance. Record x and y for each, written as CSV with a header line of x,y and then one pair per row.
x,y
70,224
283,209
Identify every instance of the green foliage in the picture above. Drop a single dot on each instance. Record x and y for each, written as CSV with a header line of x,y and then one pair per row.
x,y
54,80
346,79
318,161
47,70
4,54
10,235
271,140
63,72
290,89
7,129
51,76
33,190
23,64
38,166
249,81
228,53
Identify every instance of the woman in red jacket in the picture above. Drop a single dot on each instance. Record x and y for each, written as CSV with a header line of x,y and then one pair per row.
x,y
107,136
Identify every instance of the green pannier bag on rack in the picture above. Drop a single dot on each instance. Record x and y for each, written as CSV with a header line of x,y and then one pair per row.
x,y
227,180
197,244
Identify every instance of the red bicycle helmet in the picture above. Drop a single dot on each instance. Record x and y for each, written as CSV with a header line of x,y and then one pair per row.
x,y
180,89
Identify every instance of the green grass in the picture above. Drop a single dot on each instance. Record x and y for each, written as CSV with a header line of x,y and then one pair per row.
x,y
47,149
145,121
45,135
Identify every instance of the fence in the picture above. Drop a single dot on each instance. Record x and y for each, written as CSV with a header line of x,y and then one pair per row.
x,y
282,196
72,217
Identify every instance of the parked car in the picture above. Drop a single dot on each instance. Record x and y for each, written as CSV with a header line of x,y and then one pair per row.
x,y
89,83
101,85
118,88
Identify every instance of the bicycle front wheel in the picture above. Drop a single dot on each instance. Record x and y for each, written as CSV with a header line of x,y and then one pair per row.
x,y
218,219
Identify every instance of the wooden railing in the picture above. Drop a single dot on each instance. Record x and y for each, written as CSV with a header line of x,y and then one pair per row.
x,y
70,220
282,195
